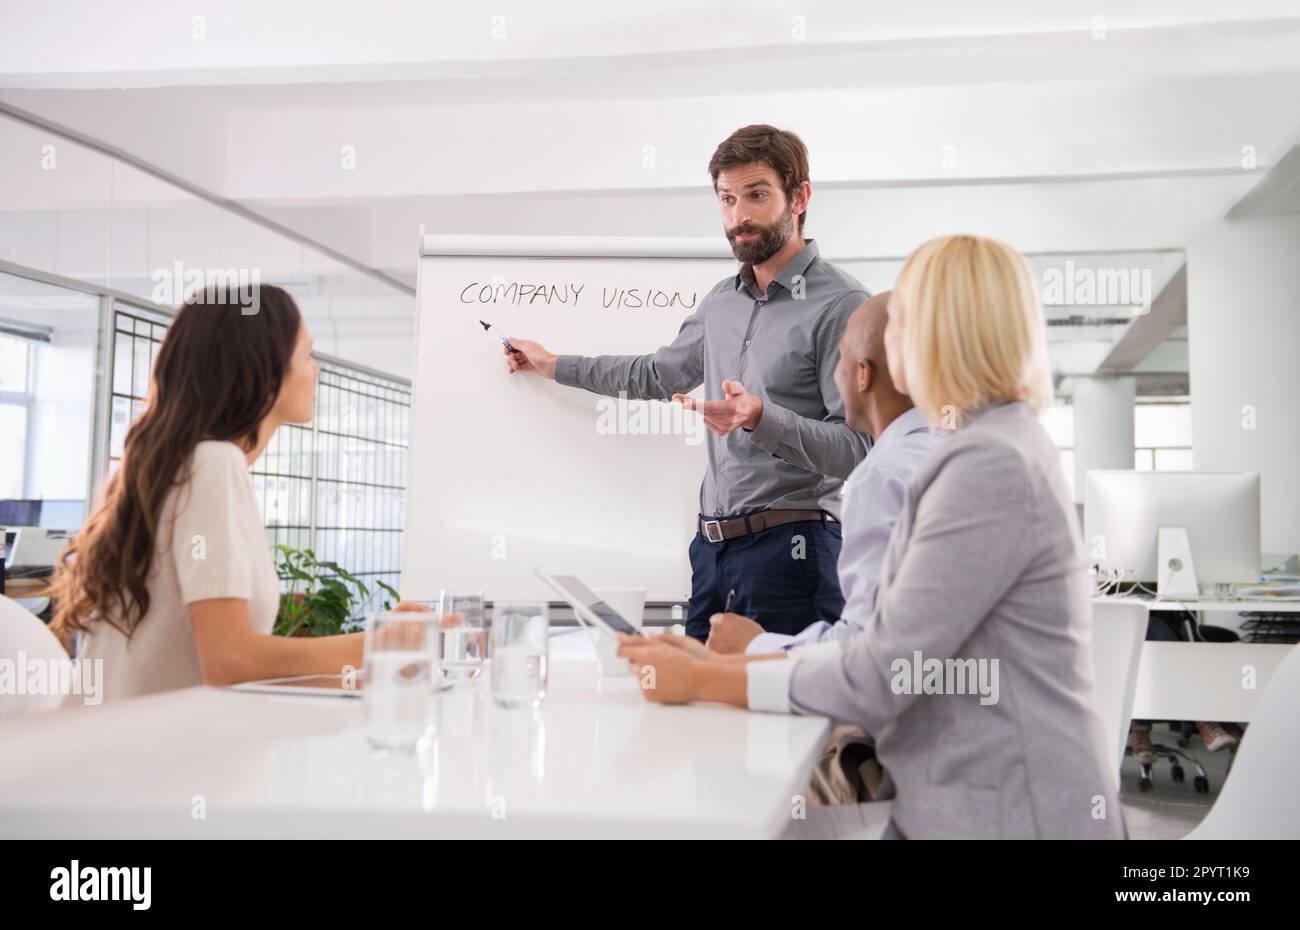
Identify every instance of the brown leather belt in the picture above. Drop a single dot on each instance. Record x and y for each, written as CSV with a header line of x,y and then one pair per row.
x,y
716,531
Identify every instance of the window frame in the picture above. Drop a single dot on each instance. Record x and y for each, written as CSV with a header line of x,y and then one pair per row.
x,y
1154,450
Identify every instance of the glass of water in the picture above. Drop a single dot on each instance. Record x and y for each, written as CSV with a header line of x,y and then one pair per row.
x,y
401,659
520,633
464,639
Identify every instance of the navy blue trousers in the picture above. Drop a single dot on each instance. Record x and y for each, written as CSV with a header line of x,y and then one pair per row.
x,y
785,577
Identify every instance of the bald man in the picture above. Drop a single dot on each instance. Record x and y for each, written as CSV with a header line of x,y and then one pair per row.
x,y
873,493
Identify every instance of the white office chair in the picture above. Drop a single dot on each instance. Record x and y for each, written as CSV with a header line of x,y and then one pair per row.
x,y
22,631
1118,631
1258,800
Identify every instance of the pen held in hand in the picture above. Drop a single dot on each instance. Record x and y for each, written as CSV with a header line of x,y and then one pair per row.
x,y
495,333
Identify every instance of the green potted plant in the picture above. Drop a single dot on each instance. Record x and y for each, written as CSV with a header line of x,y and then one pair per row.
x,y
322,598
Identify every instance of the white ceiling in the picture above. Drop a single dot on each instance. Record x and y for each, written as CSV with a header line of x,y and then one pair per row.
x,y
1067,136
141,43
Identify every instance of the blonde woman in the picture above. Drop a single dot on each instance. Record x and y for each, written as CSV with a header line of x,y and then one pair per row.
x,y
985,573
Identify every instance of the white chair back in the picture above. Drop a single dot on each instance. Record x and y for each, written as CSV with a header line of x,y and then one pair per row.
x,y
1258,800
1118,631
24,640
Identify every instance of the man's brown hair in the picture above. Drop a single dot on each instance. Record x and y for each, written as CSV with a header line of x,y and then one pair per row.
x,y
780,150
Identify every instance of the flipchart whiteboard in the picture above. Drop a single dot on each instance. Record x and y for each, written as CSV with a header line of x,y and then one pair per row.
x,y
508,472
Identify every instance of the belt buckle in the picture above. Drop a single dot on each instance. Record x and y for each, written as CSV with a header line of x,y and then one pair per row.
x,y
712,525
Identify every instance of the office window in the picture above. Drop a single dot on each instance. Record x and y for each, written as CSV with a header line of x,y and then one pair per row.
x,y
15,360
1162,436
13,431
136,338
15,409
336,485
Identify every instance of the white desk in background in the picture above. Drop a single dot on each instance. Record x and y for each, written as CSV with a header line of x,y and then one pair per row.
x,y
598,761
1204,681
1257,605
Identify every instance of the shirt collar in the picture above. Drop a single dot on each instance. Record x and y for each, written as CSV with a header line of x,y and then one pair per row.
x,y
994,407
910,421
793,268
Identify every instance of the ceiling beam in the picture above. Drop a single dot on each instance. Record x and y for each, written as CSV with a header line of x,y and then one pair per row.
x,y
1277,192
1168,312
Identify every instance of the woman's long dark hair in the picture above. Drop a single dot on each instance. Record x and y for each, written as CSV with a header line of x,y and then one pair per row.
x,y
217,376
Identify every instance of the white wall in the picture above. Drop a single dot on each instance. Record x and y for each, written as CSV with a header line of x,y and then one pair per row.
x,y
1243,320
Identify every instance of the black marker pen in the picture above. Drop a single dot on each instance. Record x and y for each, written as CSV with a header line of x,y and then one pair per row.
x,y
492,331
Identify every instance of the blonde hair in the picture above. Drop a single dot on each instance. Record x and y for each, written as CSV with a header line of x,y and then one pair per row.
x,y
973,330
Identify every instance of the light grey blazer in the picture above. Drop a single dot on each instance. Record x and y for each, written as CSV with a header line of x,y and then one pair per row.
x,y
986,561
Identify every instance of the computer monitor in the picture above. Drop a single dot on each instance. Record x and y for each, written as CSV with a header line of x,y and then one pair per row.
x,y
1124,512
62,515
20,512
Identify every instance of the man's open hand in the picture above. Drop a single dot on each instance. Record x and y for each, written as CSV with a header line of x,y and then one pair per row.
x,y
738,410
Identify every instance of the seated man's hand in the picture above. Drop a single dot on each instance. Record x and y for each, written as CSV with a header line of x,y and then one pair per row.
x,y
666,673
731,634
740,410
688,644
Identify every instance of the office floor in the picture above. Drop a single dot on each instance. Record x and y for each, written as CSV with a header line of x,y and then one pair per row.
x,y
1169,810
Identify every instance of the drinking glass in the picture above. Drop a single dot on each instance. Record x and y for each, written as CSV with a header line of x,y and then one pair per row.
x,y
520,633
400,663
464,640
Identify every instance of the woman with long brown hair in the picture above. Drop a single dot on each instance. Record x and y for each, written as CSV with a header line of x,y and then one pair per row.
x,y
171,578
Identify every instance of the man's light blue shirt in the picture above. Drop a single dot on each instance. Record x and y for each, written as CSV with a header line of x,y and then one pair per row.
x,y
872,500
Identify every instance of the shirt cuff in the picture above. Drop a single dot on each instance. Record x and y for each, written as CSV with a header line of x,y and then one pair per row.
x,y
566,370
766,643
775,423
827,649
214,589
767,685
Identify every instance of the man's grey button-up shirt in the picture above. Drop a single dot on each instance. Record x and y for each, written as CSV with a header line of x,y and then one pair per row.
x,y
782,345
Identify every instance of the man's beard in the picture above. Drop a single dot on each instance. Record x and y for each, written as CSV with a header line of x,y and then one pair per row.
x,y
770,240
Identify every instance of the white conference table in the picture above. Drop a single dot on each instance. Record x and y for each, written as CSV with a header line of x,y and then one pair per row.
x,y
596,761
